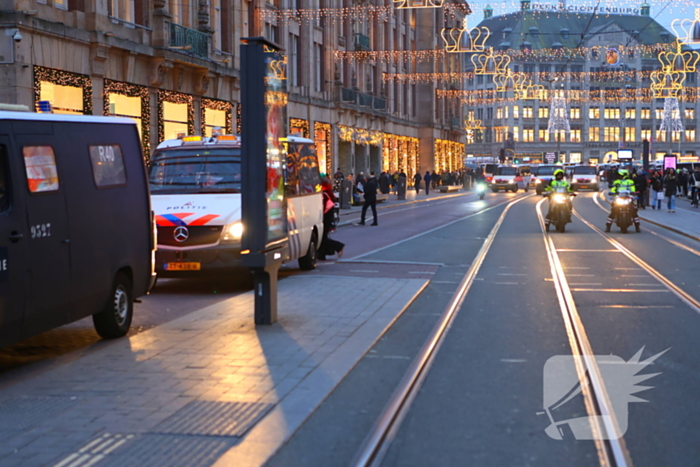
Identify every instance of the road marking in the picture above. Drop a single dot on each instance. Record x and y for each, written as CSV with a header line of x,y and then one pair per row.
x,y
631,275
581,283
94,451
678,244
421,272
580,275
643,307
362,270
513,360
573,267
445,282
379,261
510,274
506,283
622,290
571,250
628,269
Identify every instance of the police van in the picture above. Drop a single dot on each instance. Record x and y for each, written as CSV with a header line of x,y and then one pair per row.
x,y
196,194
76,231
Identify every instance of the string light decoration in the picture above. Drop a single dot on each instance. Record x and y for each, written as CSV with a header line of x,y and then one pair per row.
x,y
238,119
215,104
63,78
678,60
132,90
471,125
175,98
529,91
689,29
558,117
400,154
489,63
448,77
462,40
666,84
671,119
359,135
299,127
372,13
389,56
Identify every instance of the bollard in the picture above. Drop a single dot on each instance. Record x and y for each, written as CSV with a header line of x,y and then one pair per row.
x,y
345,194
401,188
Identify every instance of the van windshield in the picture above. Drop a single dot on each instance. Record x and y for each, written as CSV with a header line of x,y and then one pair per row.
x,y
506,171
583,170
195,171
547,169
490,168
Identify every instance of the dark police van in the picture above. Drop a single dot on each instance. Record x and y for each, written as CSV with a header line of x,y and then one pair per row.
x,y
76,228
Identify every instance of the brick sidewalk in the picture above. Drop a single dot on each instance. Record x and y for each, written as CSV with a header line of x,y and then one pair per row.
x,y
686,219
206,387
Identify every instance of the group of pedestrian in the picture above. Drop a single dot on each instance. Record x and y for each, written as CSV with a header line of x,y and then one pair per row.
x,y
656,186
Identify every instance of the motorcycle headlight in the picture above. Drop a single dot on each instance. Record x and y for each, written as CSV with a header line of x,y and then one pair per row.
x,y
233,232
621,201
559,198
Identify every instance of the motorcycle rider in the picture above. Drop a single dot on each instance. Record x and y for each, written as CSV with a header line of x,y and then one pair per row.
x,y
622,182
558,182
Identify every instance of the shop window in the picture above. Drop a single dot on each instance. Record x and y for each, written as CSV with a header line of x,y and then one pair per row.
x,y
125,106
40,163
64,99
322,139
213,118
575,157
130,101
174,119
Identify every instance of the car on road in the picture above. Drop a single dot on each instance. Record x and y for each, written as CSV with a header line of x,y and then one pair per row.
x,y
507,178
584,177
196,194
545,174
76,228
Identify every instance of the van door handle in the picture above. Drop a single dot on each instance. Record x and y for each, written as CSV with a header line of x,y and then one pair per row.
x,y
16,236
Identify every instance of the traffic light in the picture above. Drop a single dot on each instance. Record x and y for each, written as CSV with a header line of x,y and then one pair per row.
x,y
502,156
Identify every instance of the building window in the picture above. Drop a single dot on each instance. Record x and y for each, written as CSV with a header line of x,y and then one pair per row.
x,y
528,135
499,112
122,9
216,113
543,134
690,135
543,112
299,127
576,135
480,79
489,113
215,19
516,133
661,136
659,113
319,76
271,32
559,136
630,113
612,133
612,113
646,113
689,113
575,112
516,112
594,112
646,134
675,136
294,61
527,112
630,134
175,114
68,93
575,157
61,4
594,133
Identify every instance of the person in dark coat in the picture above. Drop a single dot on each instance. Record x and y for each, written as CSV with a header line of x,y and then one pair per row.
x,y
384,183
435,177
670,188
416,181
427,178
370,199
640,185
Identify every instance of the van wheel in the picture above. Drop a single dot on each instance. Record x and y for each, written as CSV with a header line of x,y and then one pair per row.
x,y
308,261
115,318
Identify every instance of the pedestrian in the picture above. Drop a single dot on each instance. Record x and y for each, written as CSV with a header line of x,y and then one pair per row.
x,y
370,199
384,183
395,182
416,181
671,188
329,246
436,180
640,186
361,180
427,178
695,186
657,191
338,175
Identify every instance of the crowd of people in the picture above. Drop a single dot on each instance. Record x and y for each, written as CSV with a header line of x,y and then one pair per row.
x,y
657,187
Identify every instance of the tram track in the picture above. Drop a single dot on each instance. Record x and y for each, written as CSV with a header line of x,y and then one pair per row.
x,y
378,441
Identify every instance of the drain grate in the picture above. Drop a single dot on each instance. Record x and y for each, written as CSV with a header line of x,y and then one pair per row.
x,y
24,412
159,450
209,418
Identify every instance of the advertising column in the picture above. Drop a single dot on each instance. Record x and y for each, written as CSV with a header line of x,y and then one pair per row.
x,y
264,205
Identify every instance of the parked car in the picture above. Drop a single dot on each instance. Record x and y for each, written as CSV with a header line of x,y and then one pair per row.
x,y
76,229
507,178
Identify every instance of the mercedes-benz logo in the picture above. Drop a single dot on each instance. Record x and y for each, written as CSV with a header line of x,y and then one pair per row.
x,y
181,234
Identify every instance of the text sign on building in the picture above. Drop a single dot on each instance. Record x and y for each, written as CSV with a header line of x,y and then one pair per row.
x,y
551,157
563,8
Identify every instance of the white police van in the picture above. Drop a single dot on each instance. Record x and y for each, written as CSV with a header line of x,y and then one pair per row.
x,y
196,196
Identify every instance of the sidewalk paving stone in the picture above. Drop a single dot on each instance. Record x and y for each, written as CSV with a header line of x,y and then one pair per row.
x,y
127,396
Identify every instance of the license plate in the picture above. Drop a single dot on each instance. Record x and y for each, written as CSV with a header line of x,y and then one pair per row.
x,y
584,187
182,266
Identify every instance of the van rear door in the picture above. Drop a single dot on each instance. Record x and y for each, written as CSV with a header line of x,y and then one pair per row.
x,y
13,241
48,243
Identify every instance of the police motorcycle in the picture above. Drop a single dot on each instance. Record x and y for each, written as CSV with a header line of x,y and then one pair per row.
x,y
481,189
559,208
623,202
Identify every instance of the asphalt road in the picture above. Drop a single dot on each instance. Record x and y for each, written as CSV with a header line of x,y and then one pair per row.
x,y
482,402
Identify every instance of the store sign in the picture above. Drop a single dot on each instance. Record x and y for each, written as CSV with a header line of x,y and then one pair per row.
x,y
551,157
562,8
